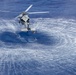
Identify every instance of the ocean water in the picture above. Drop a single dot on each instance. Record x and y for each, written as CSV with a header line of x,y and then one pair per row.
x,y
49,51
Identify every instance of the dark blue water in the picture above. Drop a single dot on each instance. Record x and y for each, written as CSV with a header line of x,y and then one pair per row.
x,y
51,50
57,8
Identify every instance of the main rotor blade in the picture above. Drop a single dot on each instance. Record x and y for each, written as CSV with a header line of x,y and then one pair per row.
x,y
38,12
25,11
28,8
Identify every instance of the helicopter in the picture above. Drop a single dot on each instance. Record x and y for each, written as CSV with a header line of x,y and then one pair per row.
x,y
24,19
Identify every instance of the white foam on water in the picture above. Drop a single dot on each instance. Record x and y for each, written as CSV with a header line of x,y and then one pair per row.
x,y
46,56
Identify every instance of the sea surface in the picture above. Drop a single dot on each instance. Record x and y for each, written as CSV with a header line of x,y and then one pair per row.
x,y
51,50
